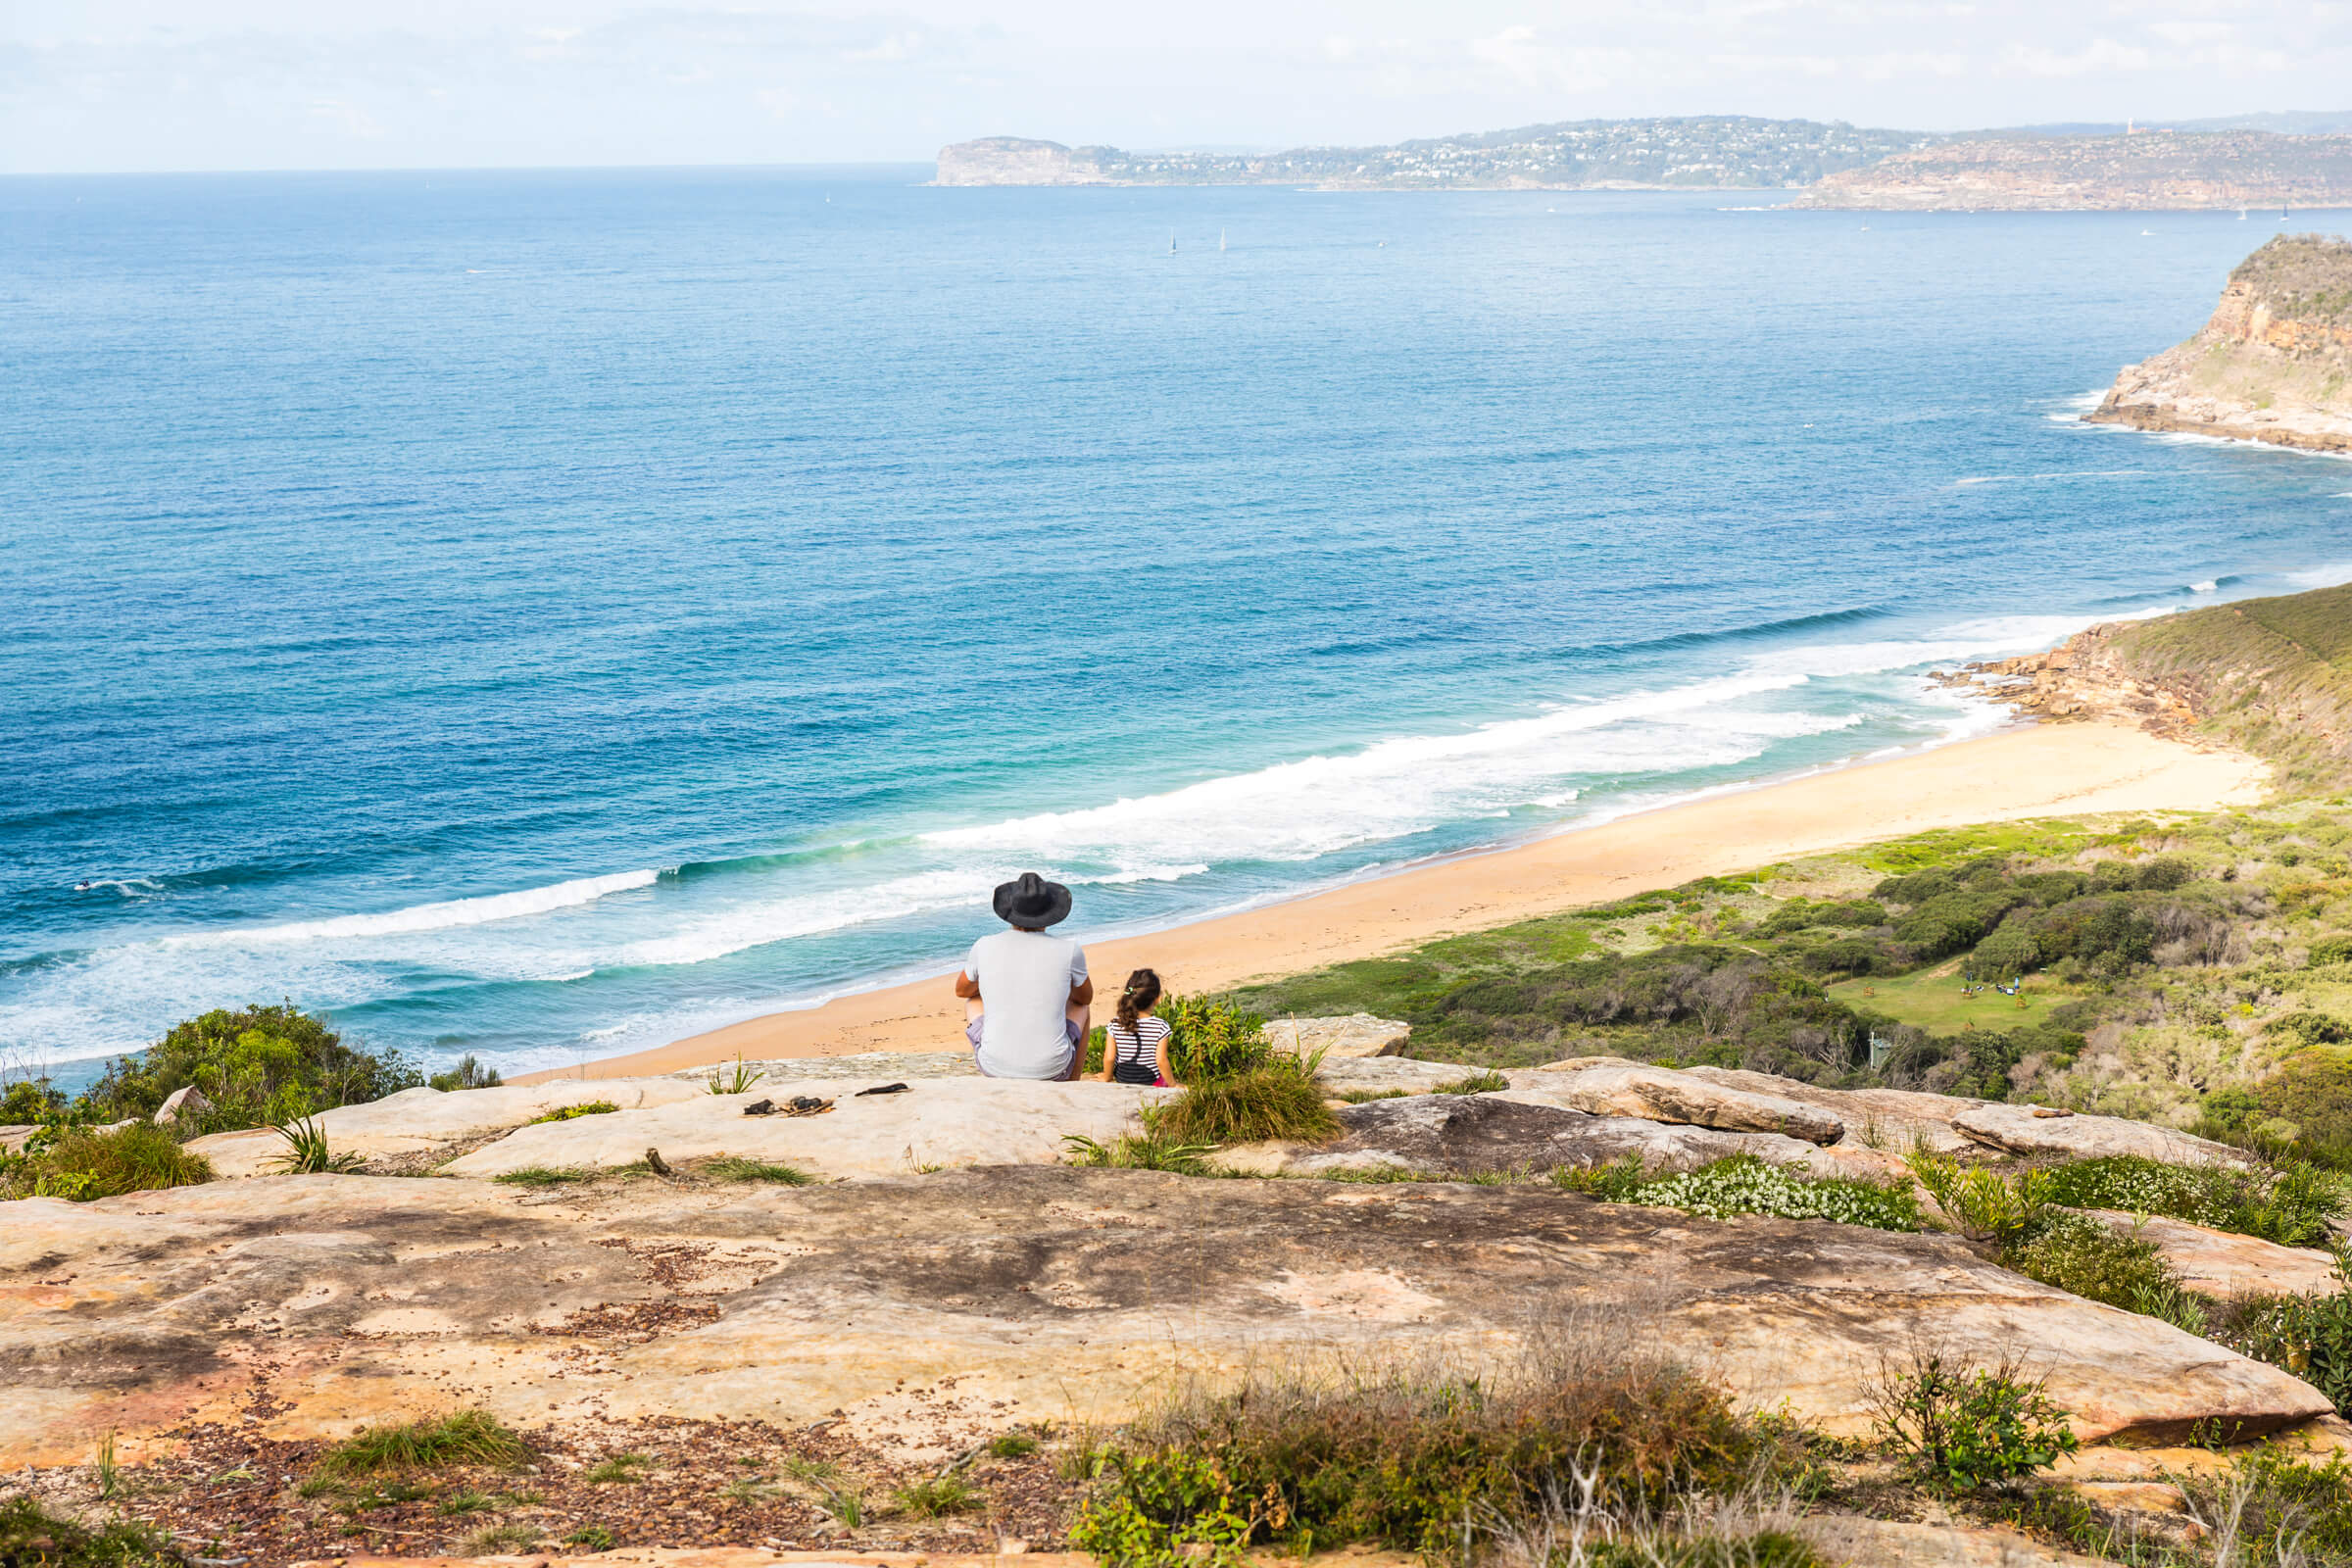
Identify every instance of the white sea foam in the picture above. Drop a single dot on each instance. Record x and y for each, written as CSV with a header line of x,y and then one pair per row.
x,y
1301,809
756,924
2205,587
426,916
2334,574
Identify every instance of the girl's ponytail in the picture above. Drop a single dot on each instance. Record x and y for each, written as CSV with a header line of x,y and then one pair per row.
x,y
1142,989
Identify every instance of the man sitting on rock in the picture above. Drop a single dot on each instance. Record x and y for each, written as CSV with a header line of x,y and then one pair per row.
x,y
1027,1001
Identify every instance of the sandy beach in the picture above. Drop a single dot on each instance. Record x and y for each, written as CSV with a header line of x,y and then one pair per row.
x,y
2041,771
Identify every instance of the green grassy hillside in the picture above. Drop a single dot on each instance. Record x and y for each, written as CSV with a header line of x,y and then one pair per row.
x,y
2196,970
2271,675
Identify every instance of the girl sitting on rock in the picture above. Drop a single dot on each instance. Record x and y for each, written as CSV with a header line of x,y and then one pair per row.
x,y
1135,1045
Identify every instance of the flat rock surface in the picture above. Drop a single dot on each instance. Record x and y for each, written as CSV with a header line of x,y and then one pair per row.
x,y
2220,1263
418,1120
1508,1130
1886,1544
301,1305
1892,1118
931,1123
1352,1035
1662,1093
2035,1129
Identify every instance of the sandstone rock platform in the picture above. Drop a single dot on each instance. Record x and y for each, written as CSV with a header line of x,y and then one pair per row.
x,y
302,1306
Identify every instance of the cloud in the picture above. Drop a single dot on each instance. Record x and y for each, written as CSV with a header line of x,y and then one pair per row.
x,y
2101,57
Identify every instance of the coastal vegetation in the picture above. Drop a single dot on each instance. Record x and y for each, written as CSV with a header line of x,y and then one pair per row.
x,y
2191,970
258,1066
82,1163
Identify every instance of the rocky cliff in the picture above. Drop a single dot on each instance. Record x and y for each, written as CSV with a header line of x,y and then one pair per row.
x,y
2271,675
2154,170
1018,161
2274,363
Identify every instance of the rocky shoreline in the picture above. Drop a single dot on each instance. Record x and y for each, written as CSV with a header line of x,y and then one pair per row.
x,y
2274,363
2081,679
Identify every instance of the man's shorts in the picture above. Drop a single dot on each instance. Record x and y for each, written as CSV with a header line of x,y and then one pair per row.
x,y
1071,1029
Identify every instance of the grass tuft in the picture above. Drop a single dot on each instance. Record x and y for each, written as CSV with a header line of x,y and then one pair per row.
x,y
503,1540
465,1436
546,1176
308,1155
1130,1153
587,1108
1273,1101
938,1497
33,1537
83,1165
1476,1083
619,1469
736,1169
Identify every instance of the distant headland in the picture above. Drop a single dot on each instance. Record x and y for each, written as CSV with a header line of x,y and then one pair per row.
x,y
1704,152
1833,164
2149,170
2273,364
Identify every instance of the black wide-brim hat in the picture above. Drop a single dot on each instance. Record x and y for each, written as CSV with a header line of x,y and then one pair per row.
x,y
1032,902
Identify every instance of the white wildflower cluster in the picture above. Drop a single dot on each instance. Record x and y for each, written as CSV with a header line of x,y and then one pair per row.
x,y
1750,1187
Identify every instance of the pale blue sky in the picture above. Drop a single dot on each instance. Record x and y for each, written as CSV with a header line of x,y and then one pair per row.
x,y
164,84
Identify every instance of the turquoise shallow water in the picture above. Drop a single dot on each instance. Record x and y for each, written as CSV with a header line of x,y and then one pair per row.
x,y
542,615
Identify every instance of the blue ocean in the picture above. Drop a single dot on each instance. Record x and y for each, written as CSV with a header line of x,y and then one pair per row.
x,y
544,614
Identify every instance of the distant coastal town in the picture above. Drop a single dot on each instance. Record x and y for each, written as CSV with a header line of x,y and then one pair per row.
x,y
1830,164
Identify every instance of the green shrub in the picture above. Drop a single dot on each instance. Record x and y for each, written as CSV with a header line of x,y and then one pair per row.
x,y
2277,1511
31,1536
81,1164
469,1073
1209,1039
2292,1206
587,1108
258,1066
1476,1083
1983,1205
1963,1427
1011,1446
588,1537
2337,948
2009,950
1403,1460
2303,1030
1275,1101
465,1436
2312,1089
30,1101
2080,1256
2310,1336
1742,1183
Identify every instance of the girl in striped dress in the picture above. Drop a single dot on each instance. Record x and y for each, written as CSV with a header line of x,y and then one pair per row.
x,y
1135,1045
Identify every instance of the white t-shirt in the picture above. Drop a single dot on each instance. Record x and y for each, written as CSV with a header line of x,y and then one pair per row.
x,y
1025,980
